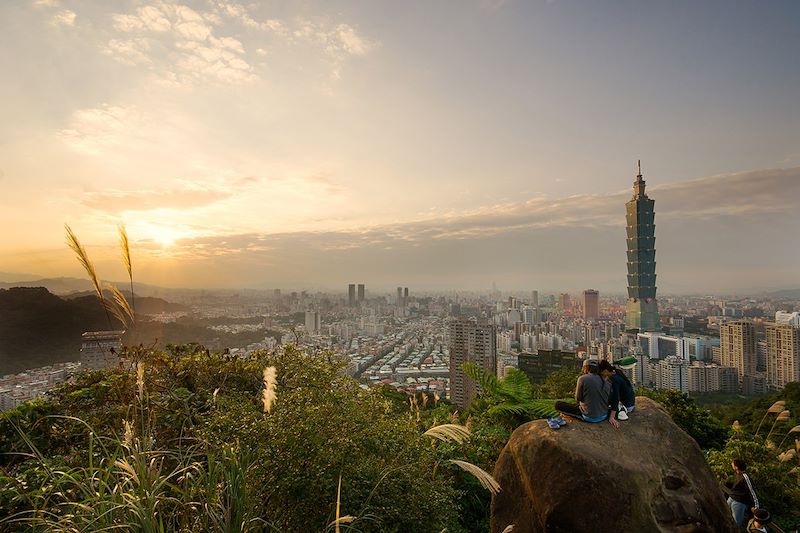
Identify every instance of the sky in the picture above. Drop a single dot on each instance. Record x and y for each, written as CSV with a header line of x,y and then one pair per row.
x,y
446,144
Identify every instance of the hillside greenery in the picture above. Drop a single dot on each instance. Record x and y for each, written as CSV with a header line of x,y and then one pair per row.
x,y
182,439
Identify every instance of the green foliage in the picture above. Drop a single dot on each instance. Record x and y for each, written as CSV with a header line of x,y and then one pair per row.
x,y
559,384
696,421
777,487
510,400
193,451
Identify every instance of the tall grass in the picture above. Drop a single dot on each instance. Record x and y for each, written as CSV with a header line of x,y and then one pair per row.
x,y
118,306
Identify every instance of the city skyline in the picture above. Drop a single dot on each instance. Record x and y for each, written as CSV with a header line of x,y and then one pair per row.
x,y
446,146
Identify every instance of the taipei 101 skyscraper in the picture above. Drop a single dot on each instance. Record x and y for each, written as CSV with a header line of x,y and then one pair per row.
x,y
642,308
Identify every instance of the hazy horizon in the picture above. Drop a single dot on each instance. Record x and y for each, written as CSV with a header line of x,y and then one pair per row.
x,y
446,145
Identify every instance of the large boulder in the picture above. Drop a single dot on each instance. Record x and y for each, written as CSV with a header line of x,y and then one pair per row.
x,y
646,476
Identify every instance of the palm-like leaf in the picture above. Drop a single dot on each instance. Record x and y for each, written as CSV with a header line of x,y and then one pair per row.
x,y
485,379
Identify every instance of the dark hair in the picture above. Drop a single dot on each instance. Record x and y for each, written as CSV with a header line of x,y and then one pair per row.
x,y
739,464
619,372
604,365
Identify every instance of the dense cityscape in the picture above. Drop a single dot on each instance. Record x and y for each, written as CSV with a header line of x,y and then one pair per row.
x,y
484,266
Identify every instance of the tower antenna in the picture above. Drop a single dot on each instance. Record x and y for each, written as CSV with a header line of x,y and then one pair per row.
x,y
640,168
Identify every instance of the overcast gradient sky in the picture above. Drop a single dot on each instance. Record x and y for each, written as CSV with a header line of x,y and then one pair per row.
x,y
429,144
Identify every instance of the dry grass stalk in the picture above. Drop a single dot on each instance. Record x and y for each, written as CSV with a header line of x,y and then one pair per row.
x,y
270,384
124,245
449,433
483,477
140,377
776,407
788,455
122,311
338,502
127,469
127,439
509,528
83,258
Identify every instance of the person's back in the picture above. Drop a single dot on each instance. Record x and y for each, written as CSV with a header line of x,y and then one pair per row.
x,y
592,393
626,395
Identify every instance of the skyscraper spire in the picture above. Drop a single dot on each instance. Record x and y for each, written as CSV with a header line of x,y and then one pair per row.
x,y
638,183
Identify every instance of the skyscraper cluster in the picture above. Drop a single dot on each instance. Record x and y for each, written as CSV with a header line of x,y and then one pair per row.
x,y
402,296
355,298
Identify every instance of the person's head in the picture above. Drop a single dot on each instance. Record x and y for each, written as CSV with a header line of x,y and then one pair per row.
x,y
762,517
605,368
589,366
739,465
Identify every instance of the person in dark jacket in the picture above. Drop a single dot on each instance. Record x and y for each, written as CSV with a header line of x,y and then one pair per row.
x,y
741,495
623,399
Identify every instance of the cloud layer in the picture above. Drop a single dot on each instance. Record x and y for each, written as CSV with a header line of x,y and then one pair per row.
x,y
571,243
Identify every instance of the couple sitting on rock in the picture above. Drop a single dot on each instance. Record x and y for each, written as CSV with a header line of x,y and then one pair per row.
x,y
603,392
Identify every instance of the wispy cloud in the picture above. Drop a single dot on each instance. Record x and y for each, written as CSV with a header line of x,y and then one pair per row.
x,y
184,46
186,197
64,18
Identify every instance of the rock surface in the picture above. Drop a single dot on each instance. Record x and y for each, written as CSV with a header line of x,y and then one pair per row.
x,y
646,476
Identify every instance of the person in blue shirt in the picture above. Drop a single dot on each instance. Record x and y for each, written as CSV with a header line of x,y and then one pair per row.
x,y
591,394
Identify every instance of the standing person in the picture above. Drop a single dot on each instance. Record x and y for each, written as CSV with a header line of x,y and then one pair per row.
x,y
741,495
591,393
623,398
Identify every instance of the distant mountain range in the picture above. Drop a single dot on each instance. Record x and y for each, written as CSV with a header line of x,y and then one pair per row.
x,y
791,294
39,328
66,286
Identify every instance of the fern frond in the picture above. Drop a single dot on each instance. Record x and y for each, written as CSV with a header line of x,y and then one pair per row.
x,y
485,379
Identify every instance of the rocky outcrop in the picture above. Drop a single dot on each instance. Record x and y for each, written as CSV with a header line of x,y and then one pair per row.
x,y
646,476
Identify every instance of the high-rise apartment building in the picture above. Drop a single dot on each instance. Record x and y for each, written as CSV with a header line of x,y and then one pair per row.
x,y
313,324
360,293
564,302
591,304
534,298
100,349
470,342
791,319
642,308
737,342
672,373
405,296
351,295
399,296
705,378
783,354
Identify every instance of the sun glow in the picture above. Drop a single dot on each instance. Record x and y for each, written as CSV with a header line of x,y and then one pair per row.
x,y
165,236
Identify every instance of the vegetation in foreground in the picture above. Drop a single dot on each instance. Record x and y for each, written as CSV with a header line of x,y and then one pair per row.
x,y
187,440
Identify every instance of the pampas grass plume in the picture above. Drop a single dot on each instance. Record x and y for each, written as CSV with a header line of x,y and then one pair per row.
x,y
270,384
